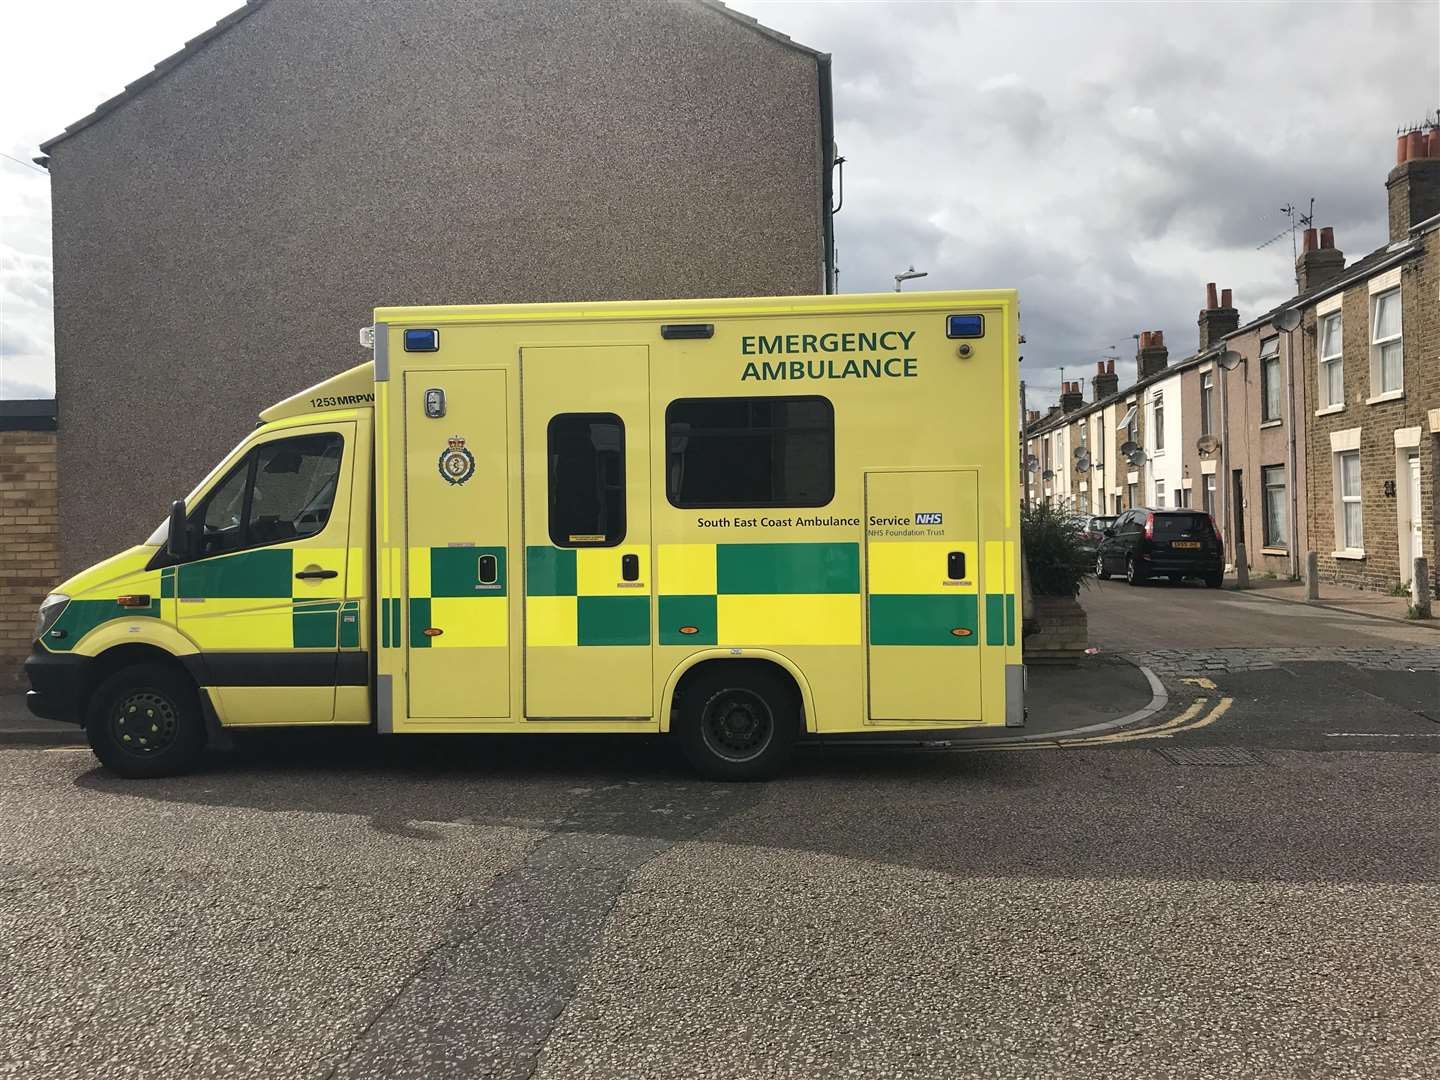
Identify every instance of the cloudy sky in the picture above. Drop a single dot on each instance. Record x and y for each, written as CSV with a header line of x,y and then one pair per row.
x,y
1105,159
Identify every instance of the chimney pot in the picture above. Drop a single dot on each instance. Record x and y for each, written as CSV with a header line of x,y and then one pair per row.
x,y
1415,145
1099,367
1158,338
1327,238
1225,300
1109,367
1210,302
1402,146
1311,239
1433,143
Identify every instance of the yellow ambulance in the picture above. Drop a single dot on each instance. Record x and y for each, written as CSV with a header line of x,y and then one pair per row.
x,y
741,522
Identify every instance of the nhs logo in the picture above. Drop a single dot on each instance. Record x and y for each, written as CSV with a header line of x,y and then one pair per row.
x,y
929,519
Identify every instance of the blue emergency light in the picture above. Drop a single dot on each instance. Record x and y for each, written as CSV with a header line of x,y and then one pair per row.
x,y
422,340
959,326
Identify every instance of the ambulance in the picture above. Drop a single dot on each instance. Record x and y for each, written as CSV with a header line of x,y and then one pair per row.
x,y
742,523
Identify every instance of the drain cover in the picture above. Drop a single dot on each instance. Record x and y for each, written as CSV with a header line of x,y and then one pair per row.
x,y
1209,755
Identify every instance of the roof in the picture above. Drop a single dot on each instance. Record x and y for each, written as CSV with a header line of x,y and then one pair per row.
x,y
1381,258
200,41
35,414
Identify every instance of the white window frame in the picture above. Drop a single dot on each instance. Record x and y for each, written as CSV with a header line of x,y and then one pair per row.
x,y
1378,390
1208,494
1274,528
1343,547
1159,494
1269,361
1157,423
1207,403
1332,363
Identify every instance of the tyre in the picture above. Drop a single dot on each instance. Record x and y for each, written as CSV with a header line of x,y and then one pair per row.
x,y
738,721
1214,581
145,721
1133,574
1100,571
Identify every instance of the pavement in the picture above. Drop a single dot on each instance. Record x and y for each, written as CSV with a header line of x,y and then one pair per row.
x,y
1340,598
1084,906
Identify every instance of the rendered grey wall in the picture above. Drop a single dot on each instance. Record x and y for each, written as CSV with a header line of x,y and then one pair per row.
x,y
220,237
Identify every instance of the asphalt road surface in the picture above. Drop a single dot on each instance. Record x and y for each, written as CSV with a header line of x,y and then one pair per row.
x,y
1094,907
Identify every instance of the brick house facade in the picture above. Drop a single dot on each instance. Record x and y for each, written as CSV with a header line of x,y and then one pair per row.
x,y
29,556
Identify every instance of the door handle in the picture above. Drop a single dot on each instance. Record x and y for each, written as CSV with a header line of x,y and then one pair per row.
x,y
487,571
315,572
630,567
955,565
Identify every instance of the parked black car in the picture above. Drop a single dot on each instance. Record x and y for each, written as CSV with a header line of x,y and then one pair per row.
x,y
1174,544
1092,530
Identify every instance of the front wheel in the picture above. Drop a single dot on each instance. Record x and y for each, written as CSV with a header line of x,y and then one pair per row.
x,y
1100,571
738,722
145,721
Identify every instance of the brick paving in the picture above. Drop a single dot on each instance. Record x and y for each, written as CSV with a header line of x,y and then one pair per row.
x,y
1400,657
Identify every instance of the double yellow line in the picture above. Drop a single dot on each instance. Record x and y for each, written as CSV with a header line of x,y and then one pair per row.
x,y
1189,720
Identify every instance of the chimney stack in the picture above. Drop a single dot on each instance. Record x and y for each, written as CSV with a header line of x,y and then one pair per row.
x,y
1104,383
1153,355
1320,263
1071,396
1414,184
1218,318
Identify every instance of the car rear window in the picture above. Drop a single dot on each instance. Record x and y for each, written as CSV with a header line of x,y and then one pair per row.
x,y
1182,524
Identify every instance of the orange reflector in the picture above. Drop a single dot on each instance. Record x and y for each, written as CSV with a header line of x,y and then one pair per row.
x,y
133,600
689,629
432,631
962,631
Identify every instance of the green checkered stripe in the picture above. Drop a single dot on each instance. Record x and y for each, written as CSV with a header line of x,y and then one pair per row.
x,y
454,572
82,616
599,620
267,574
798,570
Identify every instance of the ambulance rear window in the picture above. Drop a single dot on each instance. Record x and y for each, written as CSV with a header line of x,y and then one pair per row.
x,y
750,452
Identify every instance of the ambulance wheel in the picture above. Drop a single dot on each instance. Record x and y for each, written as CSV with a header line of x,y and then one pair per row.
x,y
738,721
1100,571
145,721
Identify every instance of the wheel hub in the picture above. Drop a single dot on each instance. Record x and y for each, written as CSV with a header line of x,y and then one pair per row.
x,y
737,725
143,723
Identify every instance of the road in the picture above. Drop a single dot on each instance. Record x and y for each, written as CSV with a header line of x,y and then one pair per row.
x,y
1086,908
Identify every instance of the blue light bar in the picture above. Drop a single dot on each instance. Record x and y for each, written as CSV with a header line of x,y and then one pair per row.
x,y
422,340
965,326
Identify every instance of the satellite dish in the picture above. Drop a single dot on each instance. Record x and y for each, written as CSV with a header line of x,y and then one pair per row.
x,y
1082,466
1230,359
1080,452
1127,447
1207,445
1138,458
1286,320
1032,462
1048,474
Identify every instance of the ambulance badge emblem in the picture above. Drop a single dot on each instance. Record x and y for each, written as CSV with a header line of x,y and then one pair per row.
x,y
457,464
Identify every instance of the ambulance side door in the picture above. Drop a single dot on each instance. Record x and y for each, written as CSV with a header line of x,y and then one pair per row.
x,y
262,595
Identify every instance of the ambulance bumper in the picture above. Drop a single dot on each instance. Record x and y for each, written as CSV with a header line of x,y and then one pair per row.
x,y
59,684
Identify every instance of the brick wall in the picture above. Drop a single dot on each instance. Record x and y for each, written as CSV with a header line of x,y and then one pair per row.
x,y
29,557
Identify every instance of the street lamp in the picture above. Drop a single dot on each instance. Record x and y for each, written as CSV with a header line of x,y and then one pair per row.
x,y
908,274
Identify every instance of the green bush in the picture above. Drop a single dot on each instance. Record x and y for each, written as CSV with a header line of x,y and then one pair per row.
x,y
1055,556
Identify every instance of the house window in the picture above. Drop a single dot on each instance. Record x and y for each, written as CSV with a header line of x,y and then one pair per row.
x,y
1209,495
1386,351
1160,494
1130,494
1332,362
1159,422
1349,531
1182,497
1270,380
1272,478
1207,403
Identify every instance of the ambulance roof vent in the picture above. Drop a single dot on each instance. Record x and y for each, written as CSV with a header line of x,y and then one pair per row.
x,y
686,331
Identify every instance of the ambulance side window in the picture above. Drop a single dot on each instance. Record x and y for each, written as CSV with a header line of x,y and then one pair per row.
x,y
749,452
281,490
586,468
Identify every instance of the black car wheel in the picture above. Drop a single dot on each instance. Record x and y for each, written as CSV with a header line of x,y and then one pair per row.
x,y
1100,571
1214,581
1133,574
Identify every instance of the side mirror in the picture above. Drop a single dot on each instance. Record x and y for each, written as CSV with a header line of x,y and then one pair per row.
x,y
177,543
1109,533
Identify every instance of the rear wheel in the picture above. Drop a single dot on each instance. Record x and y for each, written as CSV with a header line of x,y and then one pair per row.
x,y
1133,574
738,721
1100,571
145,721
1214,581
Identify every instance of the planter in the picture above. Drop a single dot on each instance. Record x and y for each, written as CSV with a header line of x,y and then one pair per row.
x,y
1060,631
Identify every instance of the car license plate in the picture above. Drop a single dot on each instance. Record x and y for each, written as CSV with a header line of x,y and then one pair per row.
x,y
1185,543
